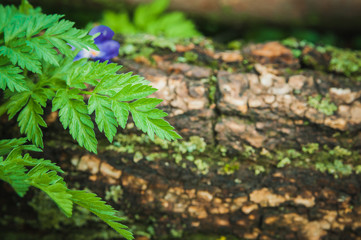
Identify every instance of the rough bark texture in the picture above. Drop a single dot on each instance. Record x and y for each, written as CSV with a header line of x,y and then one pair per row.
x,y
266,108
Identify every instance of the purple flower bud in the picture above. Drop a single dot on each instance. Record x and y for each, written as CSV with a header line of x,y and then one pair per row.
x,y
108,48
105,33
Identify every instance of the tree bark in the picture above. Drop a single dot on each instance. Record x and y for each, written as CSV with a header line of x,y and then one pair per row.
x,y
265,108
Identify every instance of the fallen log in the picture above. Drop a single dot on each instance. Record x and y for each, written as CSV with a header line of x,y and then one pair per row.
x,y
270,151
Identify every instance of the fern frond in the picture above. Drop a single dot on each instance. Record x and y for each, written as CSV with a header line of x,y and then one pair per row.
x,y
43,175
17,102
40,22
130,92
41,95
151,126
15,175
11,79
74,114
60,74
104,116
112,84
60,28
43,50
121,110
28,161
150,121
53,185
30,121
7,145
10,170
19,53
16,27
63,33
105,212
145,104
6,14
91,73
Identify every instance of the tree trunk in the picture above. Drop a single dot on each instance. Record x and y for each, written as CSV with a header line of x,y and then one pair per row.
x,y
254,171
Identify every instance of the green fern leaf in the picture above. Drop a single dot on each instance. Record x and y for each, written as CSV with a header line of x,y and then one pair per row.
x,y
58,192
106,85
74,114
145,104
6,14
130,92
41,95
128,78
10,78
17,102
156,113
104,116
18,151
148,120
61,45
91,73
160,127
53,185
40,22
30,121
61,73
11,171
7,145
105,212
62,34
16,28
112,84
19,53
43,50
14,174
121,110
61,27
28,161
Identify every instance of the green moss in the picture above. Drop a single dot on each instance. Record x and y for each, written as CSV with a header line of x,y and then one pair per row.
x,y
322,104
189,57
235,45
200,157
345,61
176,233
311,61
258,169
248,151
337,161
114,193
229,167
310,148
212,89
291,42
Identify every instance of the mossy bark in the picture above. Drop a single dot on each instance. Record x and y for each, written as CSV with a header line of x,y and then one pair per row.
x,y
267,128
